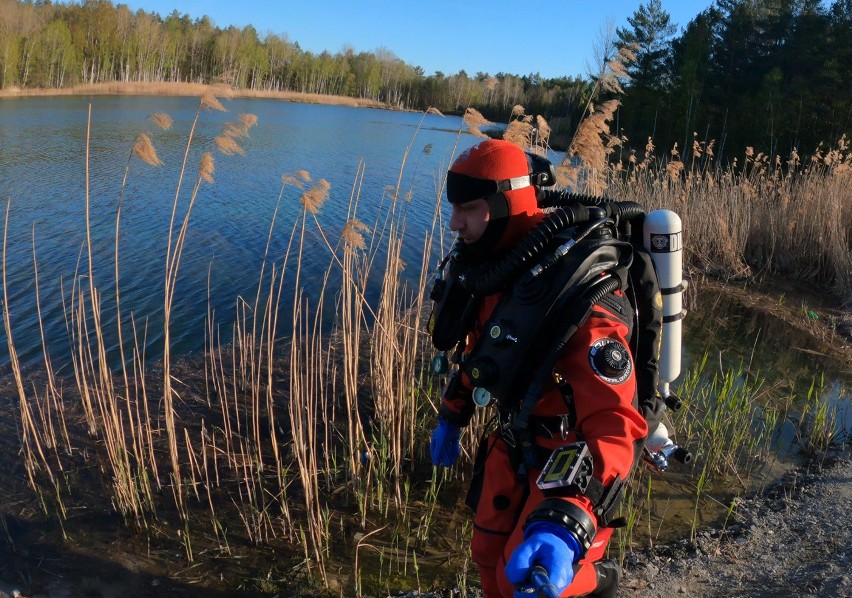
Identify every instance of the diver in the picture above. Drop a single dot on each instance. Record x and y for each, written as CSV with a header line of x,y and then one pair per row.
x,y
532,308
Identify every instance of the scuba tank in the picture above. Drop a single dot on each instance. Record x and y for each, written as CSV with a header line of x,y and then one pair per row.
x,y
663,239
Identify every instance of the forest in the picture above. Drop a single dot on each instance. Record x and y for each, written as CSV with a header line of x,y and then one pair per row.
x,y
771,75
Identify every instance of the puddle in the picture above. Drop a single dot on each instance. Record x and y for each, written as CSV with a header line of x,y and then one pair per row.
x,y
759,345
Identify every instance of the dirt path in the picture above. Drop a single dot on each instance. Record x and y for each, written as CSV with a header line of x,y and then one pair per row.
x,y
793,540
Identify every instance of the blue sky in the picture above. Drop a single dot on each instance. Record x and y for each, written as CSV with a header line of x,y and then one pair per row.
x,y
551,37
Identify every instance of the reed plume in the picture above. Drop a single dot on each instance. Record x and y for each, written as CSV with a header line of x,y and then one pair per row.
x,y
543,129
226,140
235,130
313,198
592,145
351,235
674,169
144,150
520,132
162,120
592,141
247,120
528,133
209,101
227,145
475,121
289,179
206,167
297,179
616,69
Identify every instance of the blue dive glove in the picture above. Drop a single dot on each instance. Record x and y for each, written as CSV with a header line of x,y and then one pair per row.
x,y
444,446
548,545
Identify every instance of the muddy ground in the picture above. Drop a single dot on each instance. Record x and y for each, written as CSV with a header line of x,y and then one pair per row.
x,y
791,540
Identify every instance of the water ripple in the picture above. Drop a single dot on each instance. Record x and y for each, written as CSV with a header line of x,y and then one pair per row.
x,y
42,171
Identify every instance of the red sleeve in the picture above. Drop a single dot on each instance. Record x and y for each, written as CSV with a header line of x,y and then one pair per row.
x,y
607,418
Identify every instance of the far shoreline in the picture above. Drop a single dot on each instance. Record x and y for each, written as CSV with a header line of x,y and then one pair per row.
x,y
136,88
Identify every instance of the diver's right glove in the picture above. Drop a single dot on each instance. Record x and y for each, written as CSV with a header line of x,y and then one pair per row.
x,y
444,446
548,545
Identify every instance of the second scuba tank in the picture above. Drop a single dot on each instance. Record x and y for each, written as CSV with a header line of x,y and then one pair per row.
x,y
663,238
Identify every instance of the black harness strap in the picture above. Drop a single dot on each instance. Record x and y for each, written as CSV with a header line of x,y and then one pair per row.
x,y
580,311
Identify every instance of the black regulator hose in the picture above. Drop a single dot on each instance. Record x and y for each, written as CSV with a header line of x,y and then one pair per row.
x,y
570,208
493,277
550,198
623,210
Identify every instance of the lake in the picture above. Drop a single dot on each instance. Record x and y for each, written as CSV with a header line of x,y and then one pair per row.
x,y
42,172
360,152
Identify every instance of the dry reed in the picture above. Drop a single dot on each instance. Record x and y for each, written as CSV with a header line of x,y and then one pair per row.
x,y
144,150
206,167
211,102
315,197
227,145
352,234
475,121
251,455
162,120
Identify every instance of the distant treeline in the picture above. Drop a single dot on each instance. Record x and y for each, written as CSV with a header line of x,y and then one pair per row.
x,y
772,74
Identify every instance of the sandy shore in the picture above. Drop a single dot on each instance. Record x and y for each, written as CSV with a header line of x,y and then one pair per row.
x,y
188,89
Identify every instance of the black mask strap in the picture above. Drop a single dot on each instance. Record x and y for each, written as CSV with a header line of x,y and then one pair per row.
x,y
462,188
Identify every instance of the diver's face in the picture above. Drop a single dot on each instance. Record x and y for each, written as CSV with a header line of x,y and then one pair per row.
x,y
469,219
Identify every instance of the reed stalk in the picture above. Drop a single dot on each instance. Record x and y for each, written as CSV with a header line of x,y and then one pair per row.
x,y
34,456
375,356
53,399
304,391
172,261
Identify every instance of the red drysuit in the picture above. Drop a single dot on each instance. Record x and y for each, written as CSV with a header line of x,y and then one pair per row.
x,y
491,187
606,419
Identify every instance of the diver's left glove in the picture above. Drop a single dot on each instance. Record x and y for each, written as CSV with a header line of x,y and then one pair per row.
x,y
444,446
548,545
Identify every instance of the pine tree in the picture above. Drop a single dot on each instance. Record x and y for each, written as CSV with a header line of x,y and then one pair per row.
x,y
645,102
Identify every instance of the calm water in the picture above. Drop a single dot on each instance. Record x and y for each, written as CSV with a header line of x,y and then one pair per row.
x,y
42,170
